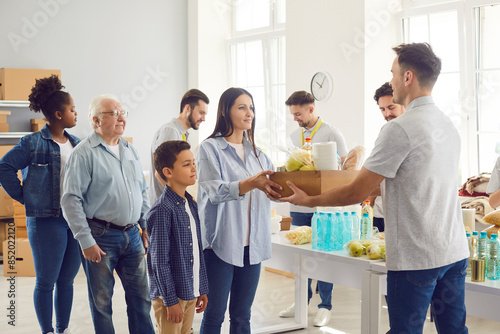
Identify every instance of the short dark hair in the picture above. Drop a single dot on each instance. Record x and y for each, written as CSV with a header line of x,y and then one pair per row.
x,y
383,90
193,97
419,58
47,97
166,155
300,98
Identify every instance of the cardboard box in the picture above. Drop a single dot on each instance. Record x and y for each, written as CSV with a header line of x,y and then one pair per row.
x,y
21,232
6,227
4,127
16,83
313,182
20,220
129,139
6,204
4,149
19,209
17,258
285,223
3,115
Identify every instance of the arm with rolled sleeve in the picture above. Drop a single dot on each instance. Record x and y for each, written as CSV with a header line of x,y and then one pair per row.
x,y
210,176
160,222
77,180
16,159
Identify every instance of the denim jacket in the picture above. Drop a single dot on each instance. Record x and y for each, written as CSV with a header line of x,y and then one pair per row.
x,y
38,157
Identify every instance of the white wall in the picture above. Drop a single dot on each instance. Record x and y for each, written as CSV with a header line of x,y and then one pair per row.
x,y
136,50
209,26
315,32
381,18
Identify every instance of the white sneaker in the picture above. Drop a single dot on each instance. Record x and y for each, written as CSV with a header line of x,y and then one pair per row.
x,y
288,312
322,318
66,331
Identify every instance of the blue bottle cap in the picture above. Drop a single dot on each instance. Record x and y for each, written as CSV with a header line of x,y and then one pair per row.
x,y
365,215
337,213
475,233
353,212
484,234
468,234
345,213
494,236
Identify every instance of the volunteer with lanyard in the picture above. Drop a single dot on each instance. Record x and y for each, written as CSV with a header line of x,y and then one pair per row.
x,y
301,106
194,108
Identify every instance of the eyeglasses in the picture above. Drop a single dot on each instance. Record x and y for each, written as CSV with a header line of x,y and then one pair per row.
x,y
116,113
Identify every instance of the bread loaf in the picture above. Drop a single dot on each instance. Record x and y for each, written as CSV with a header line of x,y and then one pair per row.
x,y
354,159
492,218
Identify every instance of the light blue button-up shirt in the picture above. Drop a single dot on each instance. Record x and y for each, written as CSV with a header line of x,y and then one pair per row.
x,y
223,212
99,185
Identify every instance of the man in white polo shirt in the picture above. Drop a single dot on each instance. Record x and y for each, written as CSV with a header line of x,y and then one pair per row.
x,y
301,104
415,160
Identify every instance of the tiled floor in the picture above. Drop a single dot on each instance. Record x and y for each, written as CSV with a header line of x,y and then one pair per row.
x,y
275,293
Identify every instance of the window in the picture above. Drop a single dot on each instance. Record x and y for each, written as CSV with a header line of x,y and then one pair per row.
x,y
487,84
257,63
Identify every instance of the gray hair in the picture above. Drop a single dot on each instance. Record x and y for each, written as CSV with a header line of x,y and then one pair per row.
x,y
96,107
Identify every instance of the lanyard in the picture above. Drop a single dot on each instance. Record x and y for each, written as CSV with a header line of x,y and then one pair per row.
x,y
184,137
312,133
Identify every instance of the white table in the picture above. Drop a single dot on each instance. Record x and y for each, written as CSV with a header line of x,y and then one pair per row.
x,y
336,267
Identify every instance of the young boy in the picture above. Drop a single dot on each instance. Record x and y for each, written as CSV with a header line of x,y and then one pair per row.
x,y
177,275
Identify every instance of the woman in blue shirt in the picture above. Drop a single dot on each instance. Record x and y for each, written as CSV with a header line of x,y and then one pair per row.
x,y
41,157
235,212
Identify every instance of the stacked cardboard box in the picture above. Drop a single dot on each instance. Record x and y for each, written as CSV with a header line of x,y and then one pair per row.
x,y
17,258
37,124
4,126
16,83
20,220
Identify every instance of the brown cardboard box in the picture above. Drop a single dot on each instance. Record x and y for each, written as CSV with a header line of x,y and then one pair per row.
x,y
19,209
285,223
4,127
20,220
3,115
6,204
21,232
315,182
16,83
37,124
17,258
4,149
129,139
7,227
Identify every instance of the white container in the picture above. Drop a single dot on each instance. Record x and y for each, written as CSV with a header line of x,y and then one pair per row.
x,y
324,156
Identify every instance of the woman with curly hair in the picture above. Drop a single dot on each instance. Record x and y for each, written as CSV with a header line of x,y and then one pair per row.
x,y
41,157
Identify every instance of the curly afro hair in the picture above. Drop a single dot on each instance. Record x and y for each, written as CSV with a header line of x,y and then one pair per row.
x,y
47,97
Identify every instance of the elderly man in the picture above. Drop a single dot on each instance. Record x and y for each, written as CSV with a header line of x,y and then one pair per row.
x,y
105,202
417,156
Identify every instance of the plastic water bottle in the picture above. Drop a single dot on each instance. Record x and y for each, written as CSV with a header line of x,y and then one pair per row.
x,y
366,225
474,244
337,231
355,230
492,264
346,233
314,227
482,244
329,240
469,242
325,228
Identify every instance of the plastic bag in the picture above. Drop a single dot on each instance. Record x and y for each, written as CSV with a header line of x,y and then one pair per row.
x,y
299,159
300,235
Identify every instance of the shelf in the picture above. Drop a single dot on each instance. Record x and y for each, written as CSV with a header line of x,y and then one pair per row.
x,y
6,135
6,103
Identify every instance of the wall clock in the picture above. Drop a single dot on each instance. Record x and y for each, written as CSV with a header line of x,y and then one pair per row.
x,y
321,86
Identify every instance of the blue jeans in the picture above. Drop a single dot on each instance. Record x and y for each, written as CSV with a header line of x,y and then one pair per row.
x,y
379,223
325,288
56,256
224,278
410,292
125,254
